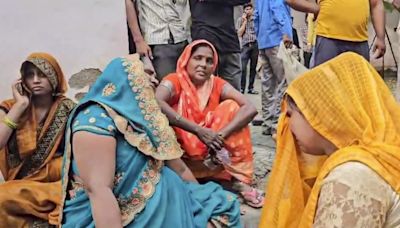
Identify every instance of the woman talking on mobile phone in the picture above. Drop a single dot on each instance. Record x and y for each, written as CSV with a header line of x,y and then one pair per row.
x,y
31,144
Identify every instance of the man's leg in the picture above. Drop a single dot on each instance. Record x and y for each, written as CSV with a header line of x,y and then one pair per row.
x,y
325,49
230,68
165,58
253,65
268,83
245,56
307,58
278,73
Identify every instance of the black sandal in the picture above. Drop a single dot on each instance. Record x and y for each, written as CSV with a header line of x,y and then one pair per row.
x,y
252,91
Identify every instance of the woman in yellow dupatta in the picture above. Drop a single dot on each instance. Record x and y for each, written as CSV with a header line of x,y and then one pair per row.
x,y
338,151
31,144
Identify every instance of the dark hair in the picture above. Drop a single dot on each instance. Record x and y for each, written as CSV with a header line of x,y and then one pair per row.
x,y
291,102
201,45
247,5
26,67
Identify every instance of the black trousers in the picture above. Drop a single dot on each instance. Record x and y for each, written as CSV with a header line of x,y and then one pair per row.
x,y
249,53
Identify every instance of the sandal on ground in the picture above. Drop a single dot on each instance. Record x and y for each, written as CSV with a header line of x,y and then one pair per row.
x,y
251,91
253,198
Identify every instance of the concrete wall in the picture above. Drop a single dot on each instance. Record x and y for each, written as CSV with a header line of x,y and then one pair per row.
x,y
80,34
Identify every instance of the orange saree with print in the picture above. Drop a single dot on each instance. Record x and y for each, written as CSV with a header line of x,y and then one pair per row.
x,y
30,163
203,105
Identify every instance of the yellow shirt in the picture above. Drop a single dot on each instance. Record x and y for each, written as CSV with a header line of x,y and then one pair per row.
x,y
343,19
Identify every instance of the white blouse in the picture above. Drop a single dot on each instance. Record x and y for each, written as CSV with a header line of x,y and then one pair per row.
x,y
353,195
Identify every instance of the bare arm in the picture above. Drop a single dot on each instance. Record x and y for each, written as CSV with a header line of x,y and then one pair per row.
x,y
181,169
242,27
131,16
97,173
378,17
207,136
378,20
245,114
5,132
15,113
163,95
304,6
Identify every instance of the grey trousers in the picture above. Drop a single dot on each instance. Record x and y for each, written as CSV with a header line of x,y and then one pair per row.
x,y
273,87
326,49
229,68
166,57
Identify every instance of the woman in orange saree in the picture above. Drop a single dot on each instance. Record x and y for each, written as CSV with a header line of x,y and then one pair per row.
x,y
31,144
210,119
338,151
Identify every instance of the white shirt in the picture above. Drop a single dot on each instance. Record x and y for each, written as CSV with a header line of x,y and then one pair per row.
x,y
160,18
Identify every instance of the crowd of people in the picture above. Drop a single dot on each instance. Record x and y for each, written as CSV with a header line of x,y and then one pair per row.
x,y
162,138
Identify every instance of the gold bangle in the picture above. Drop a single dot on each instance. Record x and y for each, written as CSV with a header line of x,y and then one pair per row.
x,y
10,123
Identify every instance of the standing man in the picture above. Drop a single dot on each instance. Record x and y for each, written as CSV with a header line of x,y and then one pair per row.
x,y
273,25
342,26
249,47
159,30
213,20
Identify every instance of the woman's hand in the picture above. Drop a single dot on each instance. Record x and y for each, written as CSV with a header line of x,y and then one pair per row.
x,y
21,99
212,139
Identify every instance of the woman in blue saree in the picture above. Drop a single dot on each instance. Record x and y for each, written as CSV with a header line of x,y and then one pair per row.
x,y
122,165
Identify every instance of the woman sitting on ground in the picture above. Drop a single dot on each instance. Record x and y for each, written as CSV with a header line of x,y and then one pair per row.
x,y
338,150
210,119
122,163
31,144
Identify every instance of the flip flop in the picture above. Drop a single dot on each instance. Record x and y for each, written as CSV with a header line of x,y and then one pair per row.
x,y
252,92
253,198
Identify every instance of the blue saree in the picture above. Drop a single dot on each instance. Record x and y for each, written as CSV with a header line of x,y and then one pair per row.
x,y
121,104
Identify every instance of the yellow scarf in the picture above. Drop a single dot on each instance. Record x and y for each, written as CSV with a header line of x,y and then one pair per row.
x,y
347,102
